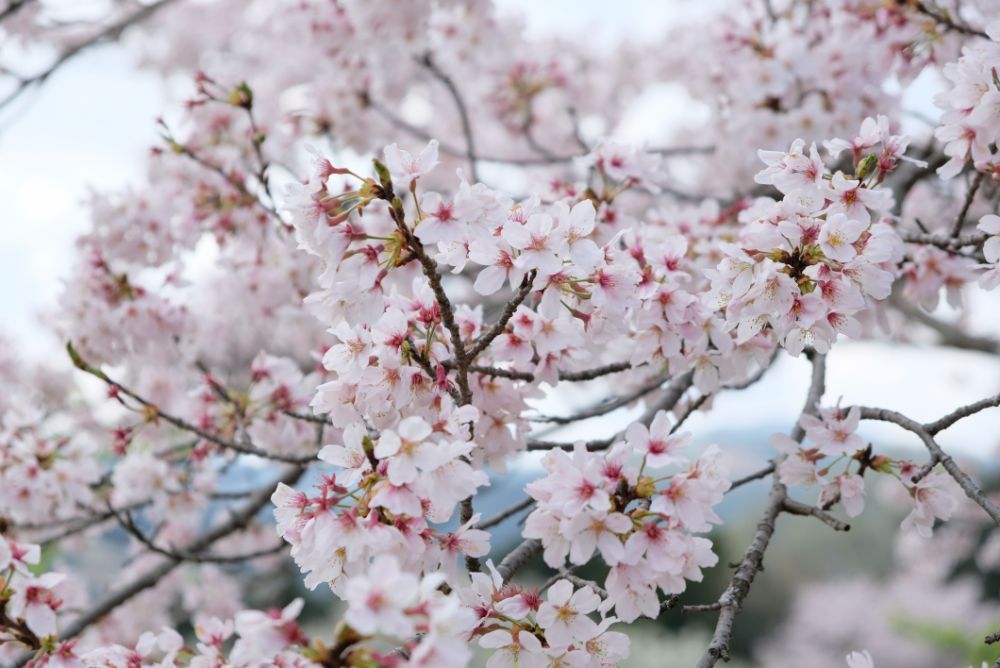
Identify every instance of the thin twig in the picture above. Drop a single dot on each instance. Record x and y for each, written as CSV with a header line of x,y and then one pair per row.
x,y
522,161
605,407
671,395
757,475
483,342
243,448
969,196
237,522
504,514
127,523
943,19
569,376
796,508
968,485
111,32
961,413
463,112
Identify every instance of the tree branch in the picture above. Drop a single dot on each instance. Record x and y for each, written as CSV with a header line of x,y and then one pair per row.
x,y
977,181
504,514
111,32
796,508
483,342
463,112
731,601
606,407
524,161
951,335
942,18
246,448
235,523
128,524
960,413
569,376
968,485
518,557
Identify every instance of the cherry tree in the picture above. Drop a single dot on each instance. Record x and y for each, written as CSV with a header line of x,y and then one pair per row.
x,y
375,247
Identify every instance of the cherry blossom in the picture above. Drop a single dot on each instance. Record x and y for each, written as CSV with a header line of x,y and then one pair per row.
x,y
563,615
405,168
36,603
932,500
419,252
656,442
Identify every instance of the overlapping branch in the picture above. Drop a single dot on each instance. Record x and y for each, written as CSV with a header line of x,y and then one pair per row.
x,y
971,488
731,601
243,447
110,33
237,522
942,17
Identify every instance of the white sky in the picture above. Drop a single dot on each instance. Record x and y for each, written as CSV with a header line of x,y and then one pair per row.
x,y
92,123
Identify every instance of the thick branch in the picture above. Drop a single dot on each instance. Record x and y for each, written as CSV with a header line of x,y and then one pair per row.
x,y
518,557
732,599
952,244
950,334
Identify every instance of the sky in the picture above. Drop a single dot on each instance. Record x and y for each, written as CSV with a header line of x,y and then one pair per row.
x,y
90,126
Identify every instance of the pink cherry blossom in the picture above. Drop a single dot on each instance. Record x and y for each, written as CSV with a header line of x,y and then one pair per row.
x,y
932,500
369,334
837,237
564,614
405,168
656,444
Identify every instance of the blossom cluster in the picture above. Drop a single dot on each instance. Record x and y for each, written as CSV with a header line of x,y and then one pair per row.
x,y
639,519
832,434
41,471
389,492
432,627
390,340
523,627
969,127
809,266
